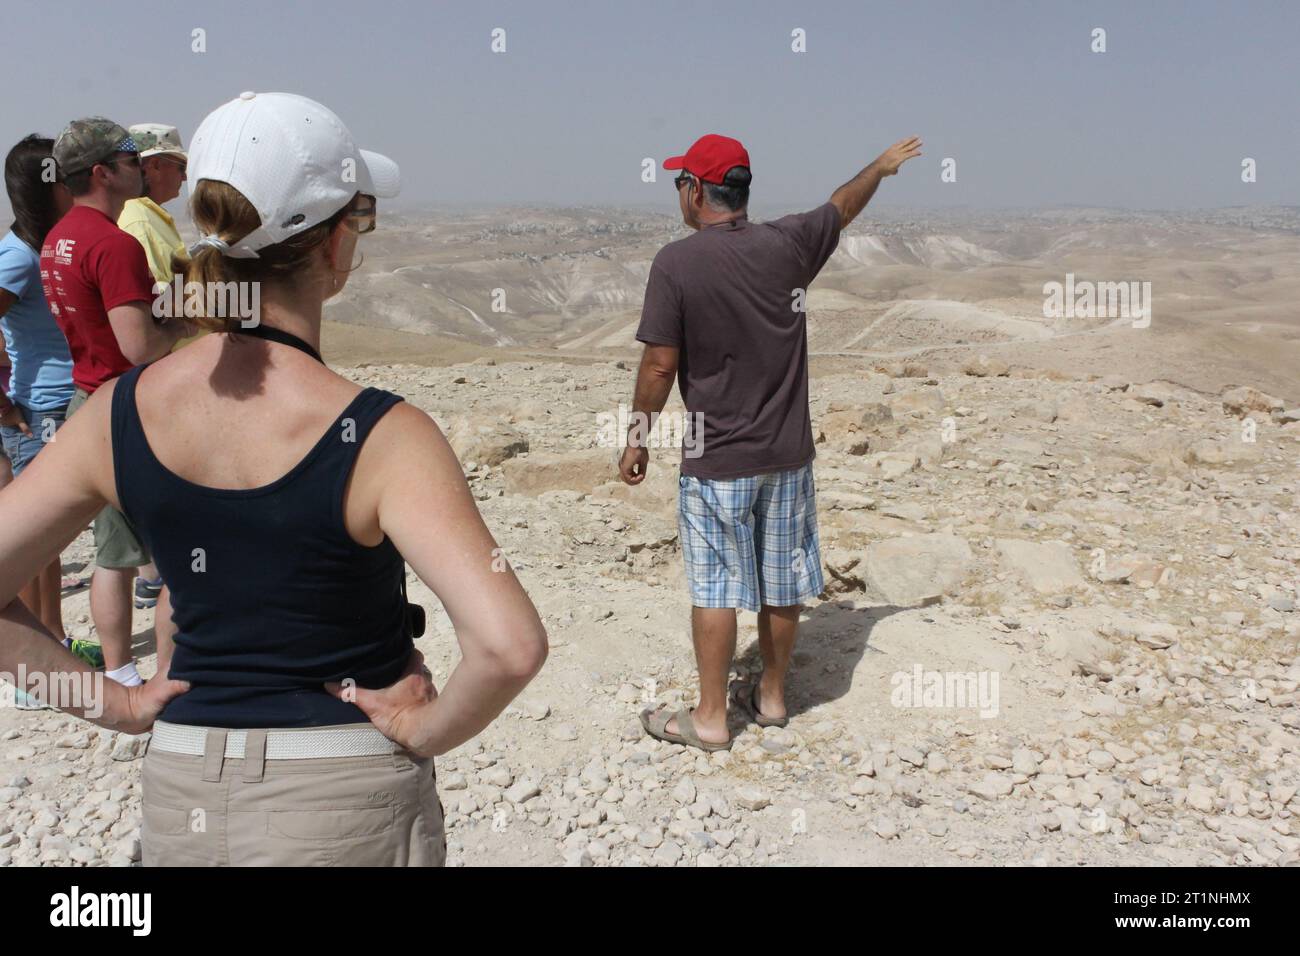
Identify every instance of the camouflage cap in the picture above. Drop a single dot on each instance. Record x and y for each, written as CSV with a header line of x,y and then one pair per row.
x,y
154,139
89,141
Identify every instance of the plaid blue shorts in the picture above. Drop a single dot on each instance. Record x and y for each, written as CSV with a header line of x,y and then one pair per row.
x,y
751,541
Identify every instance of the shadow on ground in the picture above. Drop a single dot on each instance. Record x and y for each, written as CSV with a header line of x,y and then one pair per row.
x,y
833,639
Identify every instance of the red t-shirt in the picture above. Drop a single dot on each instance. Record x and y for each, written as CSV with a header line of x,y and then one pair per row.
x,y
89,266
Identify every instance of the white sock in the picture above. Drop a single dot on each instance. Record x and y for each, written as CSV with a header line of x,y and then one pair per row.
x,y
126,675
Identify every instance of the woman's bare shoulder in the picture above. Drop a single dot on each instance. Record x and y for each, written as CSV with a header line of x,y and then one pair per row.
x,y
412,428
405,460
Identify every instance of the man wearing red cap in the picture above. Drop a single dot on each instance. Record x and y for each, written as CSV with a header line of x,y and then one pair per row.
x,y
723,314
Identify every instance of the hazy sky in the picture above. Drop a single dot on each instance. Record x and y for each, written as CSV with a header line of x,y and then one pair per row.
x,y
1010,90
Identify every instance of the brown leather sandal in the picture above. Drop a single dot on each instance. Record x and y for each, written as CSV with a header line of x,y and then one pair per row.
x,y
656,725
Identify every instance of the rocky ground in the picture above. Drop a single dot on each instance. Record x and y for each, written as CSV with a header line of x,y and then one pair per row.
x,y
1059,629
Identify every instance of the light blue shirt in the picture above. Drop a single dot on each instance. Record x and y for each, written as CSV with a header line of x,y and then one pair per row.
x,y
41,379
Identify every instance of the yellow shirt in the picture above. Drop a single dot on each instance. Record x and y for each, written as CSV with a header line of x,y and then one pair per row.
x,y
153,227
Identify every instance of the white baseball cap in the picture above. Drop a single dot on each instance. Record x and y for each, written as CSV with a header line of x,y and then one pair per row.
x,y
290,157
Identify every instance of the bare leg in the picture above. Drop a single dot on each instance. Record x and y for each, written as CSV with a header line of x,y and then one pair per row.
x,y
110,609
778,627
164,630
714,631
43,596
30,595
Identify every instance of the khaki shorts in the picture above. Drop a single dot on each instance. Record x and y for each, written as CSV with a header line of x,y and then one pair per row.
x,y
116,543
337,811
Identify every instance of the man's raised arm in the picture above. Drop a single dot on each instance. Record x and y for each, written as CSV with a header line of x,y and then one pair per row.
x,y
851,198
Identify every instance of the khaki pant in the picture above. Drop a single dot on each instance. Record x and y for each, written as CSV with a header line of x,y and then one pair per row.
x,y
337,811
116,543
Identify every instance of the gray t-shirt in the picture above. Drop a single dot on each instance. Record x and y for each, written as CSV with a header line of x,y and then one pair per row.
x,y
725,296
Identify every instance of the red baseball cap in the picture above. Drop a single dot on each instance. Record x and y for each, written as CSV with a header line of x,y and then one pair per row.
x,y
710,157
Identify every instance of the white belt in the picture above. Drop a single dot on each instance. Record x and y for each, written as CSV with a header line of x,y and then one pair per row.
x,y
280,744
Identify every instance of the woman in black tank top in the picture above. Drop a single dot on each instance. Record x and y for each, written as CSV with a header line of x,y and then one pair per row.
x,y
293,716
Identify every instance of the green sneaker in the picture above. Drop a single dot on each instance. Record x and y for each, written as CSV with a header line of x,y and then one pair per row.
x,y
91,654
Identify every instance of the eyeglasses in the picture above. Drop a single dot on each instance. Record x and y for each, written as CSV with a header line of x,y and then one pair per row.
x,y
365,217
682,180
131,159
180,164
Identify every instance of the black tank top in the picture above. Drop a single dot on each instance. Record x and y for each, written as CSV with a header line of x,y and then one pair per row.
x,y
271,596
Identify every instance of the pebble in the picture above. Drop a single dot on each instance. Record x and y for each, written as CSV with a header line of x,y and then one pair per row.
x,y
991,786
522,791
752,798
885,828
668,854
534,709
83,854
910,755
1101,759
1024,762
564,732
127,747
497,776
577,857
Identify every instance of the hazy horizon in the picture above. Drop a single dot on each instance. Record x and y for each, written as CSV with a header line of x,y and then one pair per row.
x,y
583,93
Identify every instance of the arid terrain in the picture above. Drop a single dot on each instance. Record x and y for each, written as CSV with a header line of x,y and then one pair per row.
x,y
1062,555
902,283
